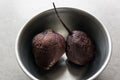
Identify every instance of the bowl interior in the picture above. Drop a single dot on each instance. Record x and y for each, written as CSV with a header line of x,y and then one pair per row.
x,y
75,20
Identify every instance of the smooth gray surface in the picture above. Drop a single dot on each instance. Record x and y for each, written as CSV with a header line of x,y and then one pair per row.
x,y
15,13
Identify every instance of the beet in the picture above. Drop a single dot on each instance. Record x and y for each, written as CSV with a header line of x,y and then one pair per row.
x,y
48,47
79,46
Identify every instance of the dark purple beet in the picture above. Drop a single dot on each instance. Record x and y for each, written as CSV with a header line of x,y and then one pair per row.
x,y
79,46
48,47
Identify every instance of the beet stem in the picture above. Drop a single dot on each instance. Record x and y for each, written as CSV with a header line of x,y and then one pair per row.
x,y
69,31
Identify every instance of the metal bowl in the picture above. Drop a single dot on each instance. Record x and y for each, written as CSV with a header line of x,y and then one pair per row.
x,y
63,70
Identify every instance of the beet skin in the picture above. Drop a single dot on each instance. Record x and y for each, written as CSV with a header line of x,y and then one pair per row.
x,y
79,48
48,47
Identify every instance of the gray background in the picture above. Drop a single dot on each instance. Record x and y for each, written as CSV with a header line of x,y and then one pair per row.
x,y
14,14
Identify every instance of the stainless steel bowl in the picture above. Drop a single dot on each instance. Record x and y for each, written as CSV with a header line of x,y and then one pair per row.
x,y
76,20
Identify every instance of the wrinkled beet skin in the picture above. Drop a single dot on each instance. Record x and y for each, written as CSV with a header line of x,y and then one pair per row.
x,y
48,48
79,48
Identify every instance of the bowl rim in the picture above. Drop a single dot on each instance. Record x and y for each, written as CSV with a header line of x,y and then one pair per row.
x,y
90,78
